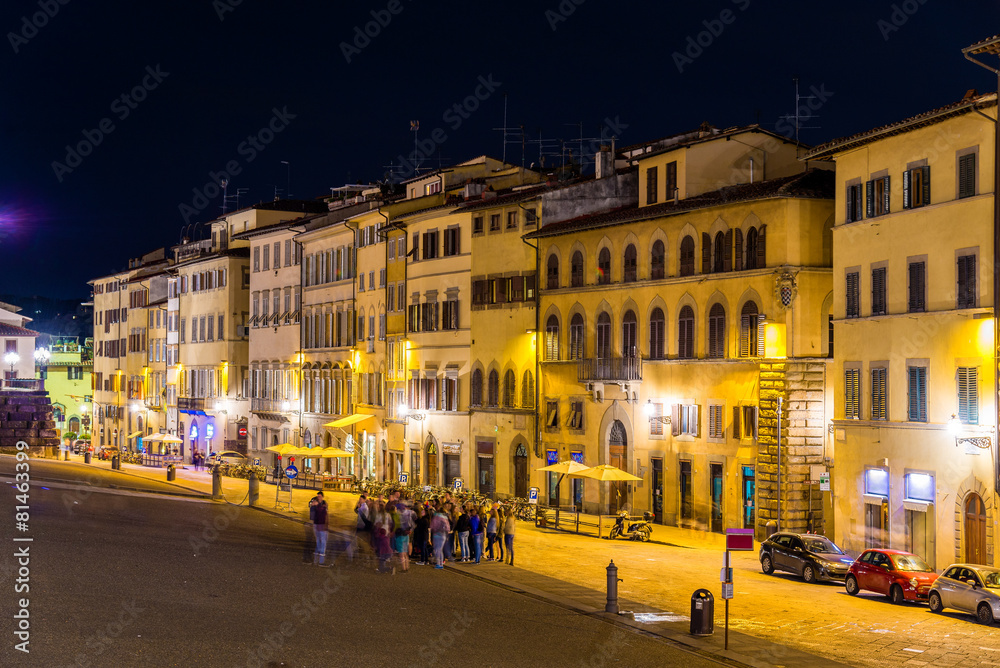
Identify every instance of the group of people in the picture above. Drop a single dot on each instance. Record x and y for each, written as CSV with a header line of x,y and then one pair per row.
x,y
402,531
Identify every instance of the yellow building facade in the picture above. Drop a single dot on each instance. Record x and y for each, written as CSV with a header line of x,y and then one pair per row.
x,y
915,360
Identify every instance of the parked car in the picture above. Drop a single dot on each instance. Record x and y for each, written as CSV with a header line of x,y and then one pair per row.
x,y
811,556
80,446
899,575
229,457
106,453
969,588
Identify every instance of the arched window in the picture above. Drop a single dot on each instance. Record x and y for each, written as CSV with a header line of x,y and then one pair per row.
x,y
751,338
685,333
552,339
476,388
751,249
717,331
576,270
604,266
719,252
631,257
687,256
58,413
656,323
493,390
629,348
552,273
527,391
603,336
657,258
509,389
576,337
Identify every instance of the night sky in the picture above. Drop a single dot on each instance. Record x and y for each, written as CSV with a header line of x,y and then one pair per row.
x,y
211,74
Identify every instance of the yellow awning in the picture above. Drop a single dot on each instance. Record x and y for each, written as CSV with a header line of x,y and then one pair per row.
x,y
348,421
134,434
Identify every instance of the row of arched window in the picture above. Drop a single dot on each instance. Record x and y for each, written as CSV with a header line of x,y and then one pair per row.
x,y
501,395
727,251
750,341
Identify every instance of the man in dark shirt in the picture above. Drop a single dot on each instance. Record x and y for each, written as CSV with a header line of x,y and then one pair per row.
x,y
318,513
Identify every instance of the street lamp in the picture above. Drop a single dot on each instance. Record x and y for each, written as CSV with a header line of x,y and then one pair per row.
x,y
42,356
955,428
406,414
650,410
11,359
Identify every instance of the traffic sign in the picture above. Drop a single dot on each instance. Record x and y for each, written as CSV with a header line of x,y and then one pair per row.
x,y
458,483
403,477
533,495
824,482
291,471
739,540
256,461
726,575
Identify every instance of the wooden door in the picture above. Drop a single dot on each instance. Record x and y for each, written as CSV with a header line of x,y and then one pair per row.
x,y
975,530
521,472
617,449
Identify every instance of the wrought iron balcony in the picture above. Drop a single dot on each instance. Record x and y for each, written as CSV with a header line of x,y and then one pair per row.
x,y
257,404
612,369
192,403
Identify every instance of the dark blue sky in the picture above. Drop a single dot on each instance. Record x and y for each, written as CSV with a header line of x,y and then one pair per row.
x,y
211,82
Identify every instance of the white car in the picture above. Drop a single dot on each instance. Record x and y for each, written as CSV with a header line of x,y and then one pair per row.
x,y
970,588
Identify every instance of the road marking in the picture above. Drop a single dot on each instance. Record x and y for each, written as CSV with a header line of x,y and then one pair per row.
x,y
653,617
910,649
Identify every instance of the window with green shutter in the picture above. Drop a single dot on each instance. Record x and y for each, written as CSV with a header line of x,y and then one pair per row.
x,y
877,197
916,377
879,393
967,175
917,187
968,394
852,394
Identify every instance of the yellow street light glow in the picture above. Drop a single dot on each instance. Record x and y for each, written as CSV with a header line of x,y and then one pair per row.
x,y
985,337
774,340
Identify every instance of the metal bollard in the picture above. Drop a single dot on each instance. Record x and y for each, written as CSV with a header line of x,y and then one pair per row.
x,y
613,580
254,491
216,483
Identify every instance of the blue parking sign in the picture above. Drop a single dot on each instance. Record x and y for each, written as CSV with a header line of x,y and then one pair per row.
x,y
403,475
533,495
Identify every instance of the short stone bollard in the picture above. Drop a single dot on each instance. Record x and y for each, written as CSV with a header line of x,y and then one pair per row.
x,y
613,580
253,494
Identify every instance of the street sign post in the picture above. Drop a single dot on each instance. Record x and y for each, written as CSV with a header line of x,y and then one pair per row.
x,y
403,477
824,482
737,540
458,484
533,496
291,471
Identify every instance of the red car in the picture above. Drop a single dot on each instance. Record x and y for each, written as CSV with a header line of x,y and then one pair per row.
x,y
899,575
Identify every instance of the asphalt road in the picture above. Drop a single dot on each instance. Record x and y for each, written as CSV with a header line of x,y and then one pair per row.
x,y
125,578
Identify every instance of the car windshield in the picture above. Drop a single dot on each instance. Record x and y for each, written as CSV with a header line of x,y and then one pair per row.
x,y
911,562
991,579
821,545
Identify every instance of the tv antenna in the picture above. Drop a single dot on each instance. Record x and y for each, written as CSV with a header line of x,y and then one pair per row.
x,y
795,117
510,135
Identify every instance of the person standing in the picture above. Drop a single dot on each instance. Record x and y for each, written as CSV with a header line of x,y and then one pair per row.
x,y
440,528
491,532
421,528
318,515
508,537
476,529
462,528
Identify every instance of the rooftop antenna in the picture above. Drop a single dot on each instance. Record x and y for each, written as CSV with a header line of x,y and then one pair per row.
x,y
288,188
510,135
795,117
415,128
225,195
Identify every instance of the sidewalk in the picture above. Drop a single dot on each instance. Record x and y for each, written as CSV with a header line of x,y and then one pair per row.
x,y
583,564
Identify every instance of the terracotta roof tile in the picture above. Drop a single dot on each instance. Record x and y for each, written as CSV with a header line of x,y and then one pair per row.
x,y
7,329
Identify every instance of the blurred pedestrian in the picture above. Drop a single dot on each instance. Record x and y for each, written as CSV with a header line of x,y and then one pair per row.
x,y
318,516
508,537
421,530
476,531
462,528
491,532
440,528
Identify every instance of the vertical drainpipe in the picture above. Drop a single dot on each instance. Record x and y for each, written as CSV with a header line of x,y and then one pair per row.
x,y
538,369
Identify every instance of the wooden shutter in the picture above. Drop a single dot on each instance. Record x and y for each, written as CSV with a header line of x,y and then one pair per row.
x,y
967,175
885,195
737,427
745,326
917,381
925,195
870,198
762,247
966,297
907,177
878,291
851,297
852,403
675,419
761,335
706,253
696,419
968,394
738,255
916,296
878,394
727,257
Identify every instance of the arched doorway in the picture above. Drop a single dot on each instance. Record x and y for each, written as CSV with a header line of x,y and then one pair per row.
x,y
975,529
432,464
521,471
617,456
74,424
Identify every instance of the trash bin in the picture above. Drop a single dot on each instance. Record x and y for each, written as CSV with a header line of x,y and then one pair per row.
x,y
171,472
702,613
771,528
116,462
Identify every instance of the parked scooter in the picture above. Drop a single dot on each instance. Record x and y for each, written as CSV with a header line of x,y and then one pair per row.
x,y
632,529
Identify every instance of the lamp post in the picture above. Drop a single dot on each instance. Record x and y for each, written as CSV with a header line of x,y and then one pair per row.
x,y
11,359
42,356
406,414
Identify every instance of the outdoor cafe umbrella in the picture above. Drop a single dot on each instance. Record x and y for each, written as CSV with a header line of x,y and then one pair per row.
x,y
609,473
169,439
281,450
331,453
565,468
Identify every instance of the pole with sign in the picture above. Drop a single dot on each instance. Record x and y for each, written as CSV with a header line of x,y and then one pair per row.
x,y
738,540
403,477
458,484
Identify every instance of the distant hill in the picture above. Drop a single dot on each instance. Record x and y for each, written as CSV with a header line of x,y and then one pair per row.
x,y
58,317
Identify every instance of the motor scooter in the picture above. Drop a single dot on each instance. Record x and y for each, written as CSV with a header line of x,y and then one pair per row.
x,y
632,529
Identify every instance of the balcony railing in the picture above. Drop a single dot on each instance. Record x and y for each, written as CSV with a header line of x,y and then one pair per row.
x,y
191,403
609,369
22,384
273,405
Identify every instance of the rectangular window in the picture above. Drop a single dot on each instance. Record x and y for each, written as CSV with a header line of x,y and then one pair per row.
x,y
277,254
852,394
671,189
211,328
361,283
391,298
430,245
265,263
576,415
530,218
878,291
415,247
686,483
916,377
256,266
552,415
920,487
651,185
655,423
877,197
452,239
917,287
916,187
511,220
879,394
183,328
495,222
716,426
966,288
477,225
853,204
222,328
967,175
685,420
400,298
449,318
852,297
968,394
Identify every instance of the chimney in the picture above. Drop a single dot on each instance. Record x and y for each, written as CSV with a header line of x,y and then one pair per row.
x,y
604,162
473,190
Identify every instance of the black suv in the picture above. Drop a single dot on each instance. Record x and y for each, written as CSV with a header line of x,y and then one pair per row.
x,y
811,556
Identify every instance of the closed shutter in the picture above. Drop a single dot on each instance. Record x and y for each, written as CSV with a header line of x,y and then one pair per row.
x,y
852,394
968,395
907,178
849,205
925,194
727,258
966,297
745,325
885,195
870,199
675,419
852,295
737,427
967,175
878,291
916,297
878,394
917,400
761,335
706,254
738,253
762,247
